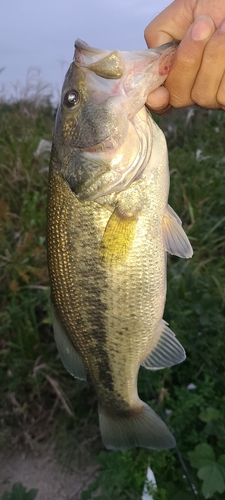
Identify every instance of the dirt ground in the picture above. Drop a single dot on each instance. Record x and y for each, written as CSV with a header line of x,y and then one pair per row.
x,y
40,470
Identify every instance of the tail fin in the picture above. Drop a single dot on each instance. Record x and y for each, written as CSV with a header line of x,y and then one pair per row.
x,y
143,429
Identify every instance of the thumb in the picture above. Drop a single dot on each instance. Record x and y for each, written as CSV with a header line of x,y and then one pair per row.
x,y
171,24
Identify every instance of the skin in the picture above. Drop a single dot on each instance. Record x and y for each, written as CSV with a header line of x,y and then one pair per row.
x,y
198,72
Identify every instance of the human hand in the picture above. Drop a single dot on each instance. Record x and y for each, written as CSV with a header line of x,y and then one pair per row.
x,y
197,75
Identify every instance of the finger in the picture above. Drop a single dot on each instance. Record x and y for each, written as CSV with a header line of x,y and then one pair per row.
x,y
187,62
171,24
161,111
208,89
158,100
221,94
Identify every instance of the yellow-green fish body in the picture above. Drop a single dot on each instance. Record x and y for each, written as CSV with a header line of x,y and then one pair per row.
x,y
109,227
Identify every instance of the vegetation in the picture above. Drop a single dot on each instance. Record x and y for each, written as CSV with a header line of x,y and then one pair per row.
x,y
39,399
19,493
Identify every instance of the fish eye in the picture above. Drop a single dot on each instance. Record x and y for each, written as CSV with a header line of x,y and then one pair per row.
x,y
71,98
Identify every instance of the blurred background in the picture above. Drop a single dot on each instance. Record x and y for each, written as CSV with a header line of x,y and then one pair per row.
x,y
50,445
41,34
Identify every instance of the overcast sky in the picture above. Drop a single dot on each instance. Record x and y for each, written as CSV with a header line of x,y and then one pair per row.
x,y
41,33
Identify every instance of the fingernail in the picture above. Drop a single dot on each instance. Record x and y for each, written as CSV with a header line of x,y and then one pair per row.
x,y
202,28
159,111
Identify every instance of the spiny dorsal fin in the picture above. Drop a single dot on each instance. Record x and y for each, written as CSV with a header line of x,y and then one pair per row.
x,y
110,67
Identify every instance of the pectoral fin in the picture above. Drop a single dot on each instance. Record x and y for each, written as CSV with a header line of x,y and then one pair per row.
x,y
167,352
70,358
175,240
118,238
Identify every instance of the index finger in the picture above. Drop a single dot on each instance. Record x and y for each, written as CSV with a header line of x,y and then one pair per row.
x,y
170,25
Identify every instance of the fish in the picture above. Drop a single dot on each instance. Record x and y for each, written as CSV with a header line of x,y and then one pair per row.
x,y
109,228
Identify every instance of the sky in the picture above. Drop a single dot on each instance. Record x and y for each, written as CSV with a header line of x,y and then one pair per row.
x,y
37,36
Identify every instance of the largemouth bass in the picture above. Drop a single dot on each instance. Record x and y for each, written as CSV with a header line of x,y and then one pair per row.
x,y
109,228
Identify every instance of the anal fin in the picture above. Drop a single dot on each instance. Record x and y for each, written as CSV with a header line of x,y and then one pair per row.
x,y
69,356
175,240
167,352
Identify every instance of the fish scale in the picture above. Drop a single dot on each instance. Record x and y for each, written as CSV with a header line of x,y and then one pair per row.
x,y
109,227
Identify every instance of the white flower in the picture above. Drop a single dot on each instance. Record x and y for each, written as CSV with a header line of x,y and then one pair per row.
x,y
150,482
43,147
191,387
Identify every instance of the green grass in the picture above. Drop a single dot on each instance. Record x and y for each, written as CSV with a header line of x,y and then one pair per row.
x,y
19,492
38,398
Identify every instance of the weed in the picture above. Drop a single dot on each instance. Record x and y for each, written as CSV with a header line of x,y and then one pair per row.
x,y
210,470
120,475
19,492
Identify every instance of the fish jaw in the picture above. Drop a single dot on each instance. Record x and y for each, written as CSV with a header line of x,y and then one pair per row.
x,y
133,76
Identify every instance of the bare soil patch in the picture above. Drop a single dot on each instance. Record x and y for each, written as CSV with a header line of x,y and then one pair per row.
x,y
39,469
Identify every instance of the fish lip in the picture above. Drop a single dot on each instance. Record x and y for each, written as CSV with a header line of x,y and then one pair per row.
x,y
82,45
167,45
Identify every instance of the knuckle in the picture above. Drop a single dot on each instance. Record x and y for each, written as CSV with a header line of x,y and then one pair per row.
x,y
189,54
179,100
187,60
201,98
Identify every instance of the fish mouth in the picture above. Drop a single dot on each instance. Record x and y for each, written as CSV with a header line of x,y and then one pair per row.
x,y
124,72
80,44
167,45
110,64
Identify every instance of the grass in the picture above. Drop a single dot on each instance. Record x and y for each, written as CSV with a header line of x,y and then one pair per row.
x,y
39,400
18,492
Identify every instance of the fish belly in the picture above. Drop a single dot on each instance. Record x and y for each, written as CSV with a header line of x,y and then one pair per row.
x,y
110,312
